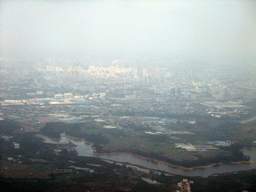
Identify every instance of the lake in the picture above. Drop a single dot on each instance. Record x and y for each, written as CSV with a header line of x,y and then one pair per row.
x,y
225,168
85,149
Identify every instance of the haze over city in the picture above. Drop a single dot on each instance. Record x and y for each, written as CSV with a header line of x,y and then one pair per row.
x,y
183,29
128,95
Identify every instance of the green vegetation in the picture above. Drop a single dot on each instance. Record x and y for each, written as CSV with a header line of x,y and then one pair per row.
x,y
54,130
143,186
9,128
230,182
246,132
134,139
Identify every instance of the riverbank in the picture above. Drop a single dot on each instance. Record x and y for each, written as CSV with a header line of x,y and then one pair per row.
x,y
249,148
172,165
93,152
241,162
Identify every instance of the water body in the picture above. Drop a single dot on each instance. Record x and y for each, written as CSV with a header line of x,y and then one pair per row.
x,y
85,149
82,148
128,158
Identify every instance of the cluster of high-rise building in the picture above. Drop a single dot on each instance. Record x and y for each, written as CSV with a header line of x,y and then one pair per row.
x,y
49,77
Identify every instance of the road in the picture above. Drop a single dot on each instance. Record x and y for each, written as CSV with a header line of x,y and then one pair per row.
x,y
248,120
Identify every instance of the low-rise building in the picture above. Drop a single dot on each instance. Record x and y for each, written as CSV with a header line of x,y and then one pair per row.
x,y
184,185
58,96
68,96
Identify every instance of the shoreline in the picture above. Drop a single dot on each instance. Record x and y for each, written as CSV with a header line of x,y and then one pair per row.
x,y
241,162
155,160
172,165
249,148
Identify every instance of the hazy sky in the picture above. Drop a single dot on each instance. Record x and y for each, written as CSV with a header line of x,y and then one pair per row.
x,y
78,28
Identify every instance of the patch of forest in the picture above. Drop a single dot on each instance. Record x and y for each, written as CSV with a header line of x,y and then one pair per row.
x,y
232,182
233,154
217,129
229,154
54,129
9,128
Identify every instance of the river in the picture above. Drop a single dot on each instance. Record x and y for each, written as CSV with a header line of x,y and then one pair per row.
x,y
204,172
85,149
